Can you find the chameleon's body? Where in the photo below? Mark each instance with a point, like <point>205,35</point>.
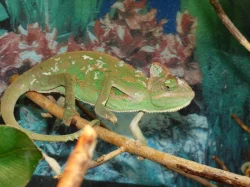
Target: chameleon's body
<point>101,80</point>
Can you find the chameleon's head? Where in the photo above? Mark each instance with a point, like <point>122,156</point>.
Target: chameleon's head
<point>167,92</point>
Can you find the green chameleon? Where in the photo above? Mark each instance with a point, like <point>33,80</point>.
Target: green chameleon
<point>100,80</point>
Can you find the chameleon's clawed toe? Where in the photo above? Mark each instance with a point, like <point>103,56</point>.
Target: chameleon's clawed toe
<point>68,115</point>
<point>139,143</point>
<point>110,116</point>
<point>106,114</point>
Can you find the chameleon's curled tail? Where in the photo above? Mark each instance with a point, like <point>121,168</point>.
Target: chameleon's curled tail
<point>8,101</point>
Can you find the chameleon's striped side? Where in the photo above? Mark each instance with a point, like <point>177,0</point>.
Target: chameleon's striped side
<point>92,67</point>
<point>80,65</point>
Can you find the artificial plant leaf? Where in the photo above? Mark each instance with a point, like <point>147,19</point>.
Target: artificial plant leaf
<point>2,32</point>
<point>3,13</point>
<point>19,157</point>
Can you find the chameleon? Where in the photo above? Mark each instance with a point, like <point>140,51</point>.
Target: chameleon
<point>99,79</point>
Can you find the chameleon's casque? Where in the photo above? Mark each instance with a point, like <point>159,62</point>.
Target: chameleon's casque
<point>101,80</point>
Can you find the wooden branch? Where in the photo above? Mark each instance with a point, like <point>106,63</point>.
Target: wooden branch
<point>200,180</point>
<point>228,23</point>
<point>240,123</point>
<point>45,103</point>
<point>77,163</point>
<point>220,163</point>
<point>105,158</point>
<point>171,162</point>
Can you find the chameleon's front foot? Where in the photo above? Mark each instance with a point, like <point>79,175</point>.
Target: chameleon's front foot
<point>68,114</point>
<point>106,114</point>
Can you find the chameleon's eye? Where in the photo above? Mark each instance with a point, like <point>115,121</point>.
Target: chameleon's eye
<point>170,83</point>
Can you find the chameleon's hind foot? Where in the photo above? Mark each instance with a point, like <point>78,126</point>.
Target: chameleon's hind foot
<point>141,141</point>
<point>68,114</point>
<point>106,114</point>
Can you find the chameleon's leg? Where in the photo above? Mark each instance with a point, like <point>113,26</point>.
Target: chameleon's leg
<point>110,82</point>
<point>135,129</point>
<point>100,109</point>
<point>50,82</point>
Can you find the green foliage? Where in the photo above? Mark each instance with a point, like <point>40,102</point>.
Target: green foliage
<point>2,31</point>
<point>66,16</point>
<point>18,157</point>
<point>3,13</point>
<point>14,10</point>
<point>84,13</point>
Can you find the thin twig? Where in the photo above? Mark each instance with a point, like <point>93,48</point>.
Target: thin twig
<point>228,23</point>
<point>220,163</point>
<point>105,158</point>
<point>240,123</point>
<point>77,163</point>
<point>53,164</point>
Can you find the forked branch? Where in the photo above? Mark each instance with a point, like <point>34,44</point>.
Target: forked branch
<point>180,165</point>
<point>220,163</point>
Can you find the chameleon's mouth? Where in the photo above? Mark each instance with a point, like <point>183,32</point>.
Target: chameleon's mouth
<point>172,101</point>
<point>189,94</point>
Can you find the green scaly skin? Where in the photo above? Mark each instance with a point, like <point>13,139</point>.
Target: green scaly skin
<point>100,80</point>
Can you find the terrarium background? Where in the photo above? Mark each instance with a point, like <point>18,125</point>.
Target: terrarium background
<point>193,43</point>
